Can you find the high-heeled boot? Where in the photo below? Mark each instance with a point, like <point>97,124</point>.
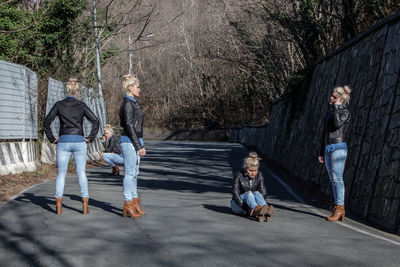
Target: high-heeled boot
<point>258,210</point>
<point>136,203</point>
<point>85,205</point>
<point>59,209</point>
<point>269,213</point>
<point>338,214</point>
<point>129,209</point>
<point>115,170</point>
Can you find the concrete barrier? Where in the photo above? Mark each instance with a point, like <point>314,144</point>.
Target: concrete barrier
<point>16,157</point>
<point>48,153</point>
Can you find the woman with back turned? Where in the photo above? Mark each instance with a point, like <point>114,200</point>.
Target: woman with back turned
<point>333,150</point>
<point>71,112</point>
<point>131,141</point>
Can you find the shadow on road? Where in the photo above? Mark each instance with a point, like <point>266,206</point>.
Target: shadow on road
<point>220,209</point>
<point>300,211</point>
<point>41,201</point>
<point>106,206</point>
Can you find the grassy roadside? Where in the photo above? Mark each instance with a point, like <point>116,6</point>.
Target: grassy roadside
<point>12,184</point>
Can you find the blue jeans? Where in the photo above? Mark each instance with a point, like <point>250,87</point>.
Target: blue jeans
<point>252,199</point>
<point>113,158</point>
<point>64,150</point>
<point>131,165</point>
<point>334,163</point>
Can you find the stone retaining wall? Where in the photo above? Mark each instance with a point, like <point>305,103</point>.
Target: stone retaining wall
<point>371,66</point>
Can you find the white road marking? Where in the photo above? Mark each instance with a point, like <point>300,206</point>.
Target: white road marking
<point>298,198</point>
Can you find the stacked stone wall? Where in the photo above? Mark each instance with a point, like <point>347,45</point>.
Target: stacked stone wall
<point>370,64</point>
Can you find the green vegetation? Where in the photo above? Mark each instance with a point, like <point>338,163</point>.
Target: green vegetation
<point>42,39</point>
<point>199,70</point>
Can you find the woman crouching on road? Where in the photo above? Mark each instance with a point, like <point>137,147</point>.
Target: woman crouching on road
<point>71,112</point>
<point>131,141</point>
<point>333,149</point>
<point>112,153</point>
<point>249,192</point>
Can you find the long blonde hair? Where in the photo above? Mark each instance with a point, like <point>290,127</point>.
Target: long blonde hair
<point>72,86</point>
<point>344,93</point>
<point>128,80</point>
<point>251,161</point>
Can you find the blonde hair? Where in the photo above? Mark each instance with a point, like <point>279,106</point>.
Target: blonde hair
<point>251,161</point>
<point>128,80</point>
<point>344,93</point>
<point>72,86</point>
<point>109,128</point>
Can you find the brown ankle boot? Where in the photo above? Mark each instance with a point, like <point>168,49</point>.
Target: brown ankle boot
<point>271,210</point>
<point>338,214</point>
<point>136,203</point>
<point>115,170</point>
<point>269,213</point>
<point>130,209</point>
<point>256,211</point>
<point>59,209</point>
<point>85,205</point>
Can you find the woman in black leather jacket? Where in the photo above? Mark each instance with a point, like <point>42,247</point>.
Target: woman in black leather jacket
<point>333,150</point>
<point>71,112</point>
<point>132,145</point>
<point>112,153</point>
<point>249,193</point>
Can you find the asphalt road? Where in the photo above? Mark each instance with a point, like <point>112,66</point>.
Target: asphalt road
<point>185,188</point>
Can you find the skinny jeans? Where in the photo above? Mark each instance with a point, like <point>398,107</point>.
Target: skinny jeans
<point>131,166</point>
<point>64,150</point>
<point>252,199</point>
<point>334,162</point>
<point>113,159</point>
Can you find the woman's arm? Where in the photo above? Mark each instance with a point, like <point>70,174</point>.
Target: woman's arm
<point>340,116</point>
<point>236,189</point>
<point>47,122</point>
<point>107,146</point>
<point>261,185</point>
<point>94,121</point>
<point>128,111</point>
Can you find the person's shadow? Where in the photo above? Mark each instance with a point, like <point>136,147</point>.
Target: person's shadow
<point>106,206</point>
<point>49,203</point>
<point>220,209</point>
<point>41,201</point>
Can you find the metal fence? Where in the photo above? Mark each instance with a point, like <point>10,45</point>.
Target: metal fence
<point>88,95</point>
<point>18,102</point>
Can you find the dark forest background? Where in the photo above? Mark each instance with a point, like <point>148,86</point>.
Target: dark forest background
<point>203,64</point>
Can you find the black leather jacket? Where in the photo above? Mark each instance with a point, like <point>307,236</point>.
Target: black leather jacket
<point>335,126</point>
<point>111,145</point>
<point>71,111</point>
<point>242,184</point>
<point>131,117</point>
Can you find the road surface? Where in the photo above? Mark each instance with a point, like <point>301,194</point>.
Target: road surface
<point>185,188</point>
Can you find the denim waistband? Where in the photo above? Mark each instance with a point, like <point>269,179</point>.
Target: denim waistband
<point>71,138</point>
<point>334,147</point>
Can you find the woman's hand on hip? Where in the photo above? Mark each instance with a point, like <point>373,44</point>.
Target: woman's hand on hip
<point>56,141</point>
<point>86,140</point>
<point>321,159</point>
<point>142,152</point>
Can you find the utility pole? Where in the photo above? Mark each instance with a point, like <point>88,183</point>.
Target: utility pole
<point>96,36</point>
<point>97,50</point>
<point>130,54</point>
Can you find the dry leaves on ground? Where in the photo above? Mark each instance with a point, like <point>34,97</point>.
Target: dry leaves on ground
<point>12,184</point>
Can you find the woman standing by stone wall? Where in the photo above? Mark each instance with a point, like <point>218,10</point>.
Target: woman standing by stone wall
<point>333,151</point>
